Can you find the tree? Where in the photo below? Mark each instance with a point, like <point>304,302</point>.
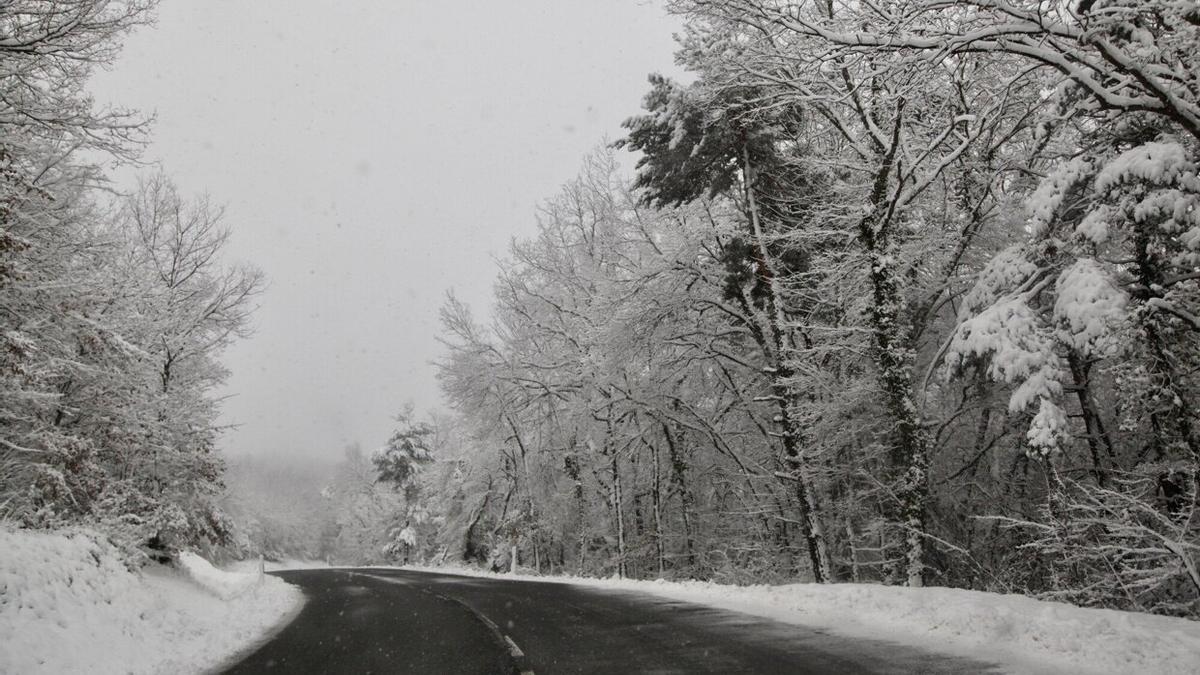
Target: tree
<point>693,147</point>
<point>397,464</point>
<point>114,310</point>
<point>908,289</point>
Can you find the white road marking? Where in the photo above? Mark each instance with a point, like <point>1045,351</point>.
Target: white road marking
<point>513,649</point>
<point>516,653</point>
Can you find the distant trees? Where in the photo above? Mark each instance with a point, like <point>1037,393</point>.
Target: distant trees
<point>362,511</point>
<point>281,507</point>
<point>901,292</point>
<point>383,506</point>
<point>297,507</point>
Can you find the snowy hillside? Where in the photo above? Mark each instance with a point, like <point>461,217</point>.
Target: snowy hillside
<point>68,604</point>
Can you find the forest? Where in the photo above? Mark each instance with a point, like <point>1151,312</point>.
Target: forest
<point>895,292</point>
<point>901,292</point>
<point>114,304</point>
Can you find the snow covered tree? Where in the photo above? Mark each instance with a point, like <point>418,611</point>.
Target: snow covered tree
<point>398,464</point>
<point>613,403</point>
<point>901,292</point>
<point>894,153</point>
<point>115,310</point>
<point>48,255</point>
<point>1101,298</point>
<point>698,144</point>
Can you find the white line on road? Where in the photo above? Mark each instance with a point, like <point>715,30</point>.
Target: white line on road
<point>513,649</point>
<point>516,653</point>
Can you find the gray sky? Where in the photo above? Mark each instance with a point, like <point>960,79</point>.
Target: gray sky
<point>372,155</point>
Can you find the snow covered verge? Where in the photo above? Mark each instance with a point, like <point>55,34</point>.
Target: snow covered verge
<point>69,605</point>
<point>1021,634</point>
<point>246,566</point>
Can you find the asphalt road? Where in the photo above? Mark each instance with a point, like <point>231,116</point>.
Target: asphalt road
<point>393,621</point>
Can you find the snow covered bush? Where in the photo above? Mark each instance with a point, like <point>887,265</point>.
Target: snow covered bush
<point>1127,546</point>
<point>1015,347</point>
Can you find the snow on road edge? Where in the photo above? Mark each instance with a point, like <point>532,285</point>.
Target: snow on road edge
<point>290,564</point>
<point>68,604</point>
<point>1021,634</point>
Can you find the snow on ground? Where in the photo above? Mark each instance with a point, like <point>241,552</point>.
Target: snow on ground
<point>221,583</point>
<point>296,564</point>
<point>1021,634</point>
<point>68,605</point>
<point>247,566</point>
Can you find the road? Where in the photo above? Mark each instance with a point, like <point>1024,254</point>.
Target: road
<point>400,621</point>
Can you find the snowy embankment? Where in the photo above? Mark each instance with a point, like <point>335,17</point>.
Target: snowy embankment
<point>277,565</point>
<point>1021,634</point>
<point>69,605</point>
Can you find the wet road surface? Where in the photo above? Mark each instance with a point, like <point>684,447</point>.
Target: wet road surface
<point>400,621</point>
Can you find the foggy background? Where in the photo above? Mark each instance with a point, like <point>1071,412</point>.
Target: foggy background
<point>373,155</point>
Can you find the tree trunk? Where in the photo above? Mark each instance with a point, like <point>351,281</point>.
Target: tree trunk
<point>1168,374</point>
<point>531,518</point>
<point>810,511</point>
<point>894,357</point>
<point>571,465</point>
<point>618,514</point>
<point>1096,433</point>
<point>656,498</point>
<point>678,476</point>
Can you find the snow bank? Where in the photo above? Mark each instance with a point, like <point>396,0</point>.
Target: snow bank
<point>68,604</point>
<point>296,564</point>
<point>249,566</point>
<point>1021,634</point>
<point>223,584</point>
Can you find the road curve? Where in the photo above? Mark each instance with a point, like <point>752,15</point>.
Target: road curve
<point>400,621</point>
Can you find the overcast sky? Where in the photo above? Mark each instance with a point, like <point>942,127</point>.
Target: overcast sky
<point>372,155</point>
